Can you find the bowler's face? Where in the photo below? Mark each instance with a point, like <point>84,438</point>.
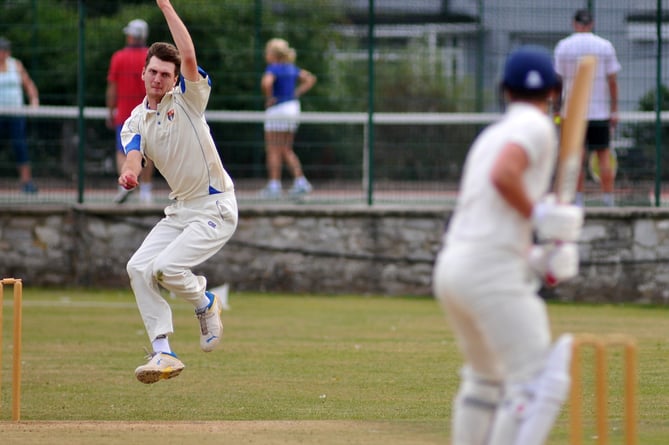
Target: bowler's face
<point>159,78</point>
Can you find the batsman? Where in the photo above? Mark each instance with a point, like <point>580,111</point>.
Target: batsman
<point>508,233</point>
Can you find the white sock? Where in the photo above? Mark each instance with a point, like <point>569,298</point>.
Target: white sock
<point>608,199</point>
<point>578,199</point>
<point>161,344</point>
<point>274,184</point>
<point>202,303</point>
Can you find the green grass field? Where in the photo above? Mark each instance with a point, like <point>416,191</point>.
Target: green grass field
<point>291,370</point>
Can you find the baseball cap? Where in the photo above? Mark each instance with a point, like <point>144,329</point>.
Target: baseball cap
<point>137,28</point>
<point>529,68</point>
<point>5,44</point>
<point>583,16</point>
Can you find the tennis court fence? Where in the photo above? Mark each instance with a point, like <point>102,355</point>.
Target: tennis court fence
<point>350,158</point>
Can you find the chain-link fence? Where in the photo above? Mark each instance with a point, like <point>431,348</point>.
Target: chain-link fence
<point>389,120</point>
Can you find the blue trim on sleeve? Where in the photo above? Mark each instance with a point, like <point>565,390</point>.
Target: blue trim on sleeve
<point>204,74</point>
<point>213,191</point>
<point>134,144</point>
<point>201,71</point>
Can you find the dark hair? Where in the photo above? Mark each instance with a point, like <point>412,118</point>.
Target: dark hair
<point>165,52</point>
<point>527,95</point>
<point>583,16</point>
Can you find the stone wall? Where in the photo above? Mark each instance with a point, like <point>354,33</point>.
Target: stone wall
<point>304,249</point>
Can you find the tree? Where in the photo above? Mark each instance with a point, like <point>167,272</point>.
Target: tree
<point>645,138</point>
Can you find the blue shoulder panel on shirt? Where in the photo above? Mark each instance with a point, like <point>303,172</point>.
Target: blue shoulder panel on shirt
<point>202,72</point>
<point>213,191</point>
<point>134,144</point>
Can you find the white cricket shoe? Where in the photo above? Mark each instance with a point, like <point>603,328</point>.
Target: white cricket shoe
<point>161,366</point>
<point>211,326</point>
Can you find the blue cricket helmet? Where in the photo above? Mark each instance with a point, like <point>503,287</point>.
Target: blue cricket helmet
<point>530,68</point>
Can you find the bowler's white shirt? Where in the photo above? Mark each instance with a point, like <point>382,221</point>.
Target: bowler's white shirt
<point>177,138</point>
<point>482,216</point>
<point>569,50</point>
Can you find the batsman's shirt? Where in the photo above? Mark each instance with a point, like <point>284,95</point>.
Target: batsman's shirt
<point>482,217</point>
<point>177,138</point>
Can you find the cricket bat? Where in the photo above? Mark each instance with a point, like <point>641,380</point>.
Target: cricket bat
<point>572,136</point>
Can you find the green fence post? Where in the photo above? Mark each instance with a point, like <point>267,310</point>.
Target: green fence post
<point>258,61</point>
<point>370,106</point>
<point>658,106</point>
<point>480,60</point>
<point>81,98</point>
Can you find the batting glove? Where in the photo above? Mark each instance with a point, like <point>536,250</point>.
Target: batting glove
<point>557,222</point>
<point>555,262</point>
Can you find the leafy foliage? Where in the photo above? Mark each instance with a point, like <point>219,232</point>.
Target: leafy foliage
<point>648,100</point>
<point>644,135</point>
<point>406,81</point>
<point>230,37</point>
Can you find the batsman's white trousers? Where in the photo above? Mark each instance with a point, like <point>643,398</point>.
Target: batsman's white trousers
<point>190,233</point>
<point>490,298</point>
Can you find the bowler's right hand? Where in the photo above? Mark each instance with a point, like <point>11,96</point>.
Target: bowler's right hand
<point>128,180</point>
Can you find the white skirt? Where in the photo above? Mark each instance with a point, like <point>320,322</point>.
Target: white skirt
<point>283,117</point>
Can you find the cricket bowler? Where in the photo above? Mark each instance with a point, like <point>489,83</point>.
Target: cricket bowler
<point>169,128</point>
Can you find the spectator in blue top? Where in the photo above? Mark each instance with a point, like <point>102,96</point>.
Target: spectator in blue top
<point>282,84</point>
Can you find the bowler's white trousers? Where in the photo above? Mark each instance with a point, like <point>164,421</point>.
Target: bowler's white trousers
<point>191,232</point>
<point>490,297</point>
